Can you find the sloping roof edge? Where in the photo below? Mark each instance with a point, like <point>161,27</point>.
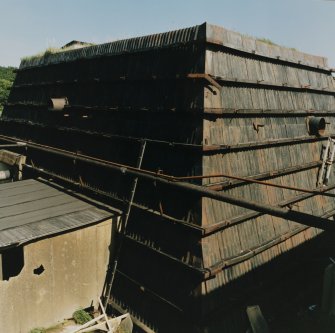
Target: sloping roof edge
<point>31,210</point>
<point>199,33</point>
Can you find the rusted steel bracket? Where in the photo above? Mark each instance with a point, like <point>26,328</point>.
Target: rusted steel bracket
<point>206,77</point>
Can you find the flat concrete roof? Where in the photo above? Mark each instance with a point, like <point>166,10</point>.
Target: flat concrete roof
<point>31,209</point>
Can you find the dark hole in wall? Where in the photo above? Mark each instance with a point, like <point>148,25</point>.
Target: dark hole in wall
<point>39,270</point>
<point>12,262</point>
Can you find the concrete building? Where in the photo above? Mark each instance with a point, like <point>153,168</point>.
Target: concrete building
<point>54,252</point>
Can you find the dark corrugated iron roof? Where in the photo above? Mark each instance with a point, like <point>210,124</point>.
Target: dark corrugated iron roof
<point>30,210</point>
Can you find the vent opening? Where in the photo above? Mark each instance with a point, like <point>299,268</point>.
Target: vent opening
<point>316,126</point>
<point>57,104</point>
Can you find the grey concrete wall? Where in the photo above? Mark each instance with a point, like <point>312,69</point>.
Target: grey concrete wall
<point>75,265</point>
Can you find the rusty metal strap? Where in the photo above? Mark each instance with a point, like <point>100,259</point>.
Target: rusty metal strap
<point>206,77</point>
<point>219,186</point>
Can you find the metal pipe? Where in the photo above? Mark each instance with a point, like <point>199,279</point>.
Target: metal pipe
<point>285,213</point>
<point>200,231</point>
<point>213,228</point>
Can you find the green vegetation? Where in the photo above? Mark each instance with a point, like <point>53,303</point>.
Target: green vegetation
<point>53,50</point>
<point>270,42</point>
<point>38,330</point>
<point>267,41</point>
<point>48,51</point>
<point>81,317</point>
<point>7,77</point>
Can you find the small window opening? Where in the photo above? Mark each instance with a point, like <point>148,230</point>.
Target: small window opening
<point>12,262</point>
<point>39,270</point>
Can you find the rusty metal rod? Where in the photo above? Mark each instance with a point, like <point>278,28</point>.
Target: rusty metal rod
<point>319,191</point>
<point>218,226</point>
<point>219,186</point>
<point>172,178</point>
<point>230,112</point>
<point>216,268</point>
<point>285,213</point>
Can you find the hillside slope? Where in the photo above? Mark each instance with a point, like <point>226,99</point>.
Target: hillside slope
<point>7,77</point>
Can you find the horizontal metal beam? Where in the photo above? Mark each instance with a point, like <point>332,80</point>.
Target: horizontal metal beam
<point>210,272</point>
<point>214,80</point>
<point>210,149</point>
<point>214,112</point>
<point>248,180</point>
<point>229,112</point>
<point>219,186</point>
<point>272,85</point>
<point>196,270</point>
<point>216,227</point>
<point>247,254</point>
<point>116,137</point>
<point>262,144</point>
<point>218,45</point>
<point>197,230</point>
<point>285,213</point>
